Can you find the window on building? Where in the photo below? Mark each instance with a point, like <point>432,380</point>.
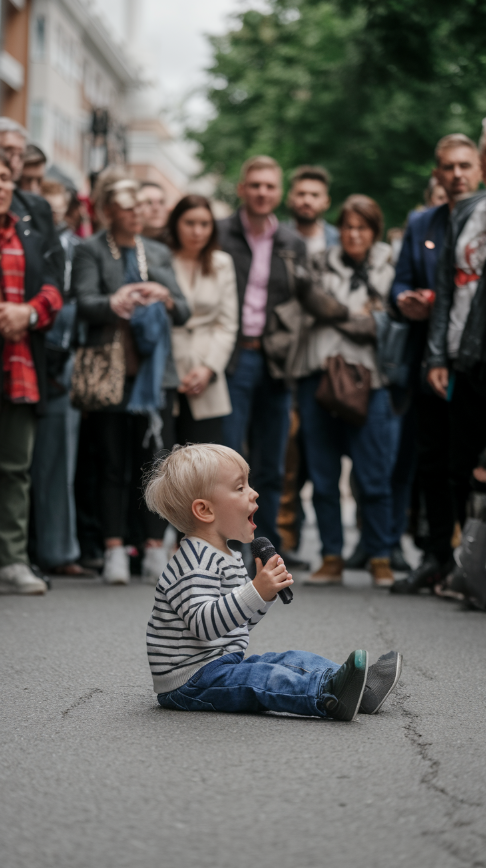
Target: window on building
<point>39,38</point>
<point>36,121</point>
<point>65,54</point>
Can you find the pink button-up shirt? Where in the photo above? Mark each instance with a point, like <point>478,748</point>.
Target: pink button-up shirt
<point>254,312</point>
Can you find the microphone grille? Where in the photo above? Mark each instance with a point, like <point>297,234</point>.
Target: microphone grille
<point>259,545</point>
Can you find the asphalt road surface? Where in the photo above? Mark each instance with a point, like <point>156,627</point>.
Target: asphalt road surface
<point>95,775</point>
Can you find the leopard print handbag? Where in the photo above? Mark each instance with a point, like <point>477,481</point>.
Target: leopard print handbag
<point>98,376</point>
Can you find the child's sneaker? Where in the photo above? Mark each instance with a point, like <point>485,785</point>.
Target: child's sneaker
<point>346,686</point>
<point>382,678</point>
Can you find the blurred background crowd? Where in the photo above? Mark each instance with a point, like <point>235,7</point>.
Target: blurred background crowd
<point>135,315</point>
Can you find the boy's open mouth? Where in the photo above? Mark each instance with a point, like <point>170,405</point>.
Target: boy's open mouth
<point>250,518</point>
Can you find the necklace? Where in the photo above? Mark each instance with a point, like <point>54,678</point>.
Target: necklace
<point>141,258</point>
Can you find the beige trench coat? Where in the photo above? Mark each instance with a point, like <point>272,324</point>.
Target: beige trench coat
<point>209,336</point>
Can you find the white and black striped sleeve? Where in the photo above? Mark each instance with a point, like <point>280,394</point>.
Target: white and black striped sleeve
<point>196,598</point>
<point>259,614</point>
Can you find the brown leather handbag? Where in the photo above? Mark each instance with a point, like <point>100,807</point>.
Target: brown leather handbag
<point>344,390</point>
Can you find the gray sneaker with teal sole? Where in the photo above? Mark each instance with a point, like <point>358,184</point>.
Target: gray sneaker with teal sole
<point>382,678</point>
<point>346,688</point>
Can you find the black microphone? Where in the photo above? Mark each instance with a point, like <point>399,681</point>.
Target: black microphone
<point>262,548</point>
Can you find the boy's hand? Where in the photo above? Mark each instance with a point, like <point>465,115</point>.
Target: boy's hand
<point>271,578</point>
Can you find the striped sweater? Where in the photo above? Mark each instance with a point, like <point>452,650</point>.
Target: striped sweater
<point>205,606</point>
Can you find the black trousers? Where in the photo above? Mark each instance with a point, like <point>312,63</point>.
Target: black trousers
<point>122,461</point>
<point>190,430</point>
<point>433,472</point>
<point>467,438</point>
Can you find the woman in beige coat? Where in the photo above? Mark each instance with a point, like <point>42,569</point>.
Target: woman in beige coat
<point>203,345</point>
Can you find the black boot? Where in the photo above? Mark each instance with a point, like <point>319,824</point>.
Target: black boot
<point>358,559</point>
<point>397,560</point>
<point>424,576</point>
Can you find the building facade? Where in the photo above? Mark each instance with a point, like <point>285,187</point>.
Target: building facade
<point>82,95</point>
<point>14,58</point>
<point>79,84</point>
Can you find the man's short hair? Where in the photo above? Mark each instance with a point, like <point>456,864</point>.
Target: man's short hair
<point>311,173</point>
<point>454,140</point>
<point>185,475</point>
<point>34,156</point>
<point>8,125</point>
<point>259,162</point>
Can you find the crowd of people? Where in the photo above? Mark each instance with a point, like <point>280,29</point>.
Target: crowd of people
<point>125,329</point>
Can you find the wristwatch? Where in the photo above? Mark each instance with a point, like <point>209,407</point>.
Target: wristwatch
<point>33,319</point>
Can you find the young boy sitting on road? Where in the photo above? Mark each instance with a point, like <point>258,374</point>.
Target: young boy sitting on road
<point>205,606</point>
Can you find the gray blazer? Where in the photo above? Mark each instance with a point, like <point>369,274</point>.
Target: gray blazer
<point>96,275</point>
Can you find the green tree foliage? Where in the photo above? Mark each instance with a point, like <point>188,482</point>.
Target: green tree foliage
<point>365,88</point>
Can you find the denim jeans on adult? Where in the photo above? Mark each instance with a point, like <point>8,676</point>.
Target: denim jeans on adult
<point>372,449</point>
<point>291,681</point>
<point>260,418</point>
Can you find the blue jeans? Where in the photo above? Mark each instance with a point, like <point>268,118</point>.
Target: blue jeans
<point>293,682</point>
<point>260,419</point>
<point>372,449</point>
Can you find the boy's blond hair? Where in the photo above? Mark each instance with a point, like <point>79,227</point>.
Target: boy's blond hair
<point>185,475</point>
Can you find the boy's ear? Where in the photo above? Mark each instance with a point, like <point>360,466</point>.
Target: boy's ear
<point>203,511</point>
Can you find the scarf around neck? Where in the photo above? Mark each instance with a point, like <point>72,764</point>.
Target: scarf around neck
<point>360,273</point>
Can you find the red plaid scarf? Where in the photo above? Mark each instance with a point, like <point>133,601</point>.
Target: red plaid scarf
<point>19,376</point>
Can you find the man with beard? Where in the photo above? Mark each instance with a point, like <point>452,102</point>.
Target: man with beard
<point>458,171</point>
<point>308,200</point>
<point>456,341</point>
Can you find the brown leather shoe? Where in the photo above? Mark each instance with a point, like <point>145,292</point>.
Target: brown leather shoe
<point>329,573</point>
<point>382,573</point>
<point>74,571</point>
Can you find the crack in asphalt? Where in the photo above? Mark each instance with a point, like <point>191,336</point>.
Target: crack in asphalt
<point>429,777</point>
<point>82,699</point>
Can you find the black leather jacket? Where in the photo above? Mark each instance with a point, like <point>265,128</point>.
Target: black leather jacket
<point>473,341</point>
<point>35,212</point>
<point>287,247</point>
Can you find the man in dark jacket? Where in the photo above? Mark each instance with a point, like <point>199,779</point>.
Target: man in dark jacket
<point>29,301</point>
<point>457,341</point>
<point>458,171</point>
<point>33,210</point>
<point>269,260</point>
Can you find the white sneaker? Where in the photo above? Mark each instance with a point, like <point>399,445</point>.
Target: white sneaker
<point>19,579</point>
<point>154,563</point>
<point>116,569</point>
